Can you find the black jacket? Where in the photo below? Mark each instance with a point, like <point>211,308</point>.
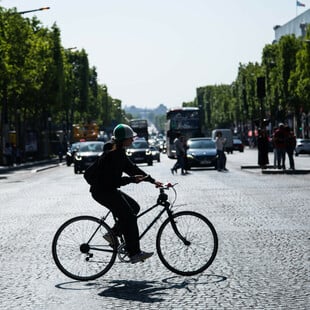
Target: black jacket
<point>112,166</point>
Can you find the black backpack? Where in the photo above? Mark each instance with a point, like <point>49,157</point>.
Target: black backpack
<point>92,173</point>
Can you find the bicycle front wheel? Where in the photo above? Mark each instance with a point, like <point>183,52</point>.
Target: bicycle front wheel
<point>80,251</point>
<point>188,244</point>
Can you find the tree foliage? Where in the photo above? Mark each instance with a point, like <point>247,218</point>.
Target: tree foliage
<point>42,83</point>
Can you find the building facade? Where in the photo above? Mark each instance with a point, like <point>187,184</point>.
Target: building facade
<point>296,26</point>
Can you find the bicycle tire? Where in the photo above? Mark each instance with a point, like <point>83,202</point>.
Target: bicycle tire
<point>198,255</point>
<point>79,252</point>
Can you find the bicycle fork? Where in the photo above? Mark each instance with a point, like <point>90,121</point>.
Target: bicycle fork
<point>175,228</point>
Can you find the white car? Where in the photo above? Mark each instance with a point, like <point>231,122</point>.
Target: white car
<point>302,146</point>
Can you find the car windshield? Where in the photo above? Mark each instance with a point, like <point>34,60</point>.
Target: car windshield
<point>202,144</point>
<point>75,146</point>
<point>94,147</point>
<point>139,145</point>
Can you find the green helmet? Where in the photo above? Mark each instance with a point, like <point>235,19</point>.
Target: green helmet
<point>122,132</point>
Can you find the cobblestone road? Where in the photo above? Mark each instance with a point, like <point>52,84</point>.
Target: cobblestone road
<point>262,223</point>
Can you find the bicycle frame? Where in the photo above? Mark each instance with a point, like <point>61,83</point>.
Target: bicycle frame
<point>161,201</point>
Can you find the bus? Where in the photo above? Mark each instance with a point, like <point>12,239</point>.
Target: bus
<point>186,121</point>
<point>140,126</point>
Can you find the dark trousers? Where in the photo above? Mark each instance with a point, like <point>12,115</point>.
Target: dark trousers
<point>221,160</point>
<point>290,154</point>
<point>281,158</point>
<point>179,163</point>
<point>125,209</point>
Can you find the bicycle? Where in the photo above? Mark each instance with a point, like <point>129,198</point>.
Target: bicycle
<point>186,242</point>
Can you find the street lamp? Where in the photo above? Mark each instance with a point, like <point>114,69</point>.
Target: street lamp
<point>35,10</point>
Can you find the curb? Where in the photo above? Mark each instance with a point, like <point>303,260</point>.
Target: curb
<point>286,171</point>
<point>53,163</point>
<point>272,170</point>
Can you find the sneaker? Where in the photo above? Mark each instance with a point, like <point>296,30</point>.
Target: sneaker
<point>140,257</point>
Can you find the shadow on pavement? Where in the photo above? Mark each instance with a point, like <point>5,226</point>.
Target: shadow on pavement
<point>142,291</point>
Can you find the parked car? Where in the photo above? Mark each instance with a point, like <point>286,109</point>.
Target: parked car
<point>70,153</point>
<point>87,154</point>
<point>201,152</point>
<point>302,146</point>
<point>238,145</point>
<point>155,153</point>
<point>139,152</point>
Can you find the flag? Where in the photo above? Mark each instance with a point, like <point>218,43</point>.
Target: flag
<point>298,3</point>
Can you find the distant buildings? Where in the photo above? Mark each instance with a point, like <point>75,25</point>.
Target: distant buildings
<point>297,26</point>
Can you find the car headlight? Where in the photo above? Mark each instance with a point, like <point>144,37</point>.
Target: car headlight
<point>128,153</point>
<point>191,156</point>
<point>78,157</point>
<point>148,152</point>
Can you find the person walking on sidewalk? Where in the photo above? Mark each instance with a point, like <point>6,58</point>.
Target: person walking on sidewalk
<point>280,137</point>
<point>290,146</point>
<point>262,146</point>
<point>221,157</point>
<point>180,153</point>
<point>8,154</point>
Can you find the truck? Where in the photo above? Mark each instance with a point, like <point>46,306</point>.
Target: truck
<point>85,132</point>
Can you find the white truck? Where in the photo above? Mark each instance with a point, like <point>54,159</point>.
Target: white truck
<point>227,134</point>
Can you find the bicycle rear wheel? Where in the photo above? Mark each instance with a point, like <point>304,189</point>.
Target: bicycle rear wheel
<point>80,251</point>
<point>191,247</point>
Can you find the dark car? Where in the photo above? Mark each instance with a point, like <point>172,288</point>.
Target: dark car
<point>155,153</point>
<point>70,153</point>
<point>87,154</point>
<point>238,145</point>
<point>302,146</point>
<point>201,152</point>
<point>139,152</point>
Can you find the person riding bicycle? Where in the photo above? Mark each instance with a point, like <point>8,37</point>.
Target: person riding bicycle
<point>106,190</point>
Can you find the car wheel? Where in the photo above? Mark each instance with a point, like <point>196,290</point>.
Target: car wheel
<point>150,163</point>
<point>158,159</point>
<point>76,171</point>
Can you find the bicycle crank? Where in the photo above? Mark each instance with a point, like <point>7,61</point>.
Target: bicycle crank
<point>122,253</point>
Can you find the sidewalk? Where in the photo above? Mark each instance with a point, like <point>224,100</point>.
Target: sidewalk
<point>302,164</point>
<point>41,164</point>
<point>271,170</point>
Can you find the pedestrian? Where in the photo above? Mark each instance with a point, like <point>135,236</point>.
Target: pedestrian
<point>275,157</point>
<point>185,146</point>
<point>262,146</point>
<point>60,152</point>
<point>8,154</point>
<point>18,156</point>
<point>290,146</point>
<point>106,191</point>
<point>180,153</point>
<point>280,137</point>
<point>220,149</point>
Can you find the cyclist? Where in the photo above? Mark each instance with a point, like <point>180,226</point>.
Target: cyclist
<point>107,193</point>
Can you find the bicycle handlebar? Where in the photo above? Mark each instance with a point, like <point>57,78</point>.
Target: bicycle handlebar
<point>168,185</point>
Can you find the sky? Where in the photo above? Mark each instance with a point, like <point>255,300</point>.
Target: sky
<point>151,52</point>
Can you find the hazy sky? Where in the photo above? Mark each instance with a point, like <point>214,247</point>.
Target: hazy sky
<point>150,52</point>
